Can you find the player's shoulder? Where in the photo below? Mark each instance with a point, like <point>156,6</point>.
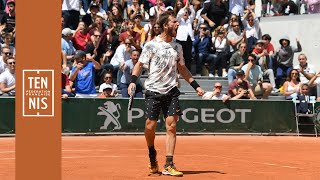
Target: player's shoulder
<point>176,45</point>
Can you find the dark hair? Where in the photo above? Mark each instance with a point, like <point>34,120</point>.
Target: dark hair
<point>253,56</point>
<point>164,18</point>
<point>266,37</point>
<point>289,76</point>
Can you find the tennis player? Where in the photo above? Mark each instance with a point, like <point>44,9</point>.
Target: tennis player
<point>165,59</point>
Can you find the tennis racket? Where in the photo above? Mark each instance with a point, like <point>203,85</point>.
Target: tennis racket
<point>131,99</point>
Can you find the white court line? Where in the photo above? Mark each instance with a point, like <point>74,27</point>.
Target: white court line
<point>224,157</point>
<point>192,155</point>
<point>3,152</point>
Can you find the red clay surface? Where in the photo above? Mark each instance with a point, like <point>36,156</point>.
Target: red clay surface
<point>199,157</point>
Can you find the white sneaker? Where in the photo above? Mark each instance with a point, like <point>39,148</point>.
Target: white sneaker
<point>224,74</point>
<point>275,90</point>
<point>82,13</point>
<point>211,75</point>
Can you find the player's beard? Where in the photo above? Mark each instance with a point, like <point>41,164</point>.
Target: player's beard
<point>172,32</point>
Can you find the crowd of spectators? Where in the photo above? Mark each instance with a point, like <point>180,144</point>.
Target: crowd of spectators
<point>102,39</point>
<point>7,42</point>
<point>223,38</point>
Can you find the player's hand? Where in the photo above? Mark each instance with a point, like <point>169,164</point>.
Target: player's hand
<point>200,91</point>
<point>132,87</point>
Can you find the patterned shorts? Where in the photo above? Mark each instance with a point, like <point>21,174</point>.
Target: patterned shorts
<point>168,103</point>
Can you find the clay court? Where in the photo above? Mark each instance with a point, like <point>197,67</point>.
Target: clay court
<point>198,157</point>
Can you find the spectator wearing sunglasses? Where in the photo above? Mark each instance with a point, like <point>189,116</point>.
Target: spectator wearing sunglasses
<point>216,93</point>
<point>108,82</point>
<point>254,75</point>
<point>5,54</point>
<point>8,79</point>
<point>202,46</point>
<point>235,37</point>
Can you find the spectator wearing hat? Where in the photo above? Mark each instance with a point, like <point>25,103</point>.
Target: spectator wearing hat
<point>107,77</point>
<point>67,45</point>
<point>83,75</point>
<point>9,18</point>
<point>264,61</point>
<point>97,4</point>
<point>71,13</point>
<point>135,8</point>
<point>106,92</point>
<point>139,28</point>
<point>237,60</point>
<point>240,82</point>
<point>254,75</point>
<point>89,18</point>
<point>284,57</point>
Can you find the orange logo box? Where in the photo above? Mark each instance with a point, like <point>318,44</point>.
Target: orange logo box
<point>38,89</point>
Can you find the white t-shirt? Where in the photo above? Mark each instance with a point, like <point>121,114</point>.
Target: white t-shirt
<point>162,58</point>
<point>9,79</point>
<point>209,95</point>
<point>309,69</point>
<point>3,65</point>
<point>121,55</point>
<point>68,5</point>
<point>104,85</point>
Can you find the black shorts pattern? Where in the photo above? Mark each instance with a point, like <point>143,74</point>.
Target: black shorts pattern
<point>168,103</point>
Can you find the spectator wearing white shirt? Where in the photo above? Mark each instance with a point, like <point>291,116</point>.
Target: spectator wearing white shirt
<point>121,55</point>
<point>8,79</point>
<point>5,54</point>
<point>216,94</point>
<point>252,30</point>
<point>185,34</point>
<point>306,70</point>
<point>238,6</point>
<point>108,81</point>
